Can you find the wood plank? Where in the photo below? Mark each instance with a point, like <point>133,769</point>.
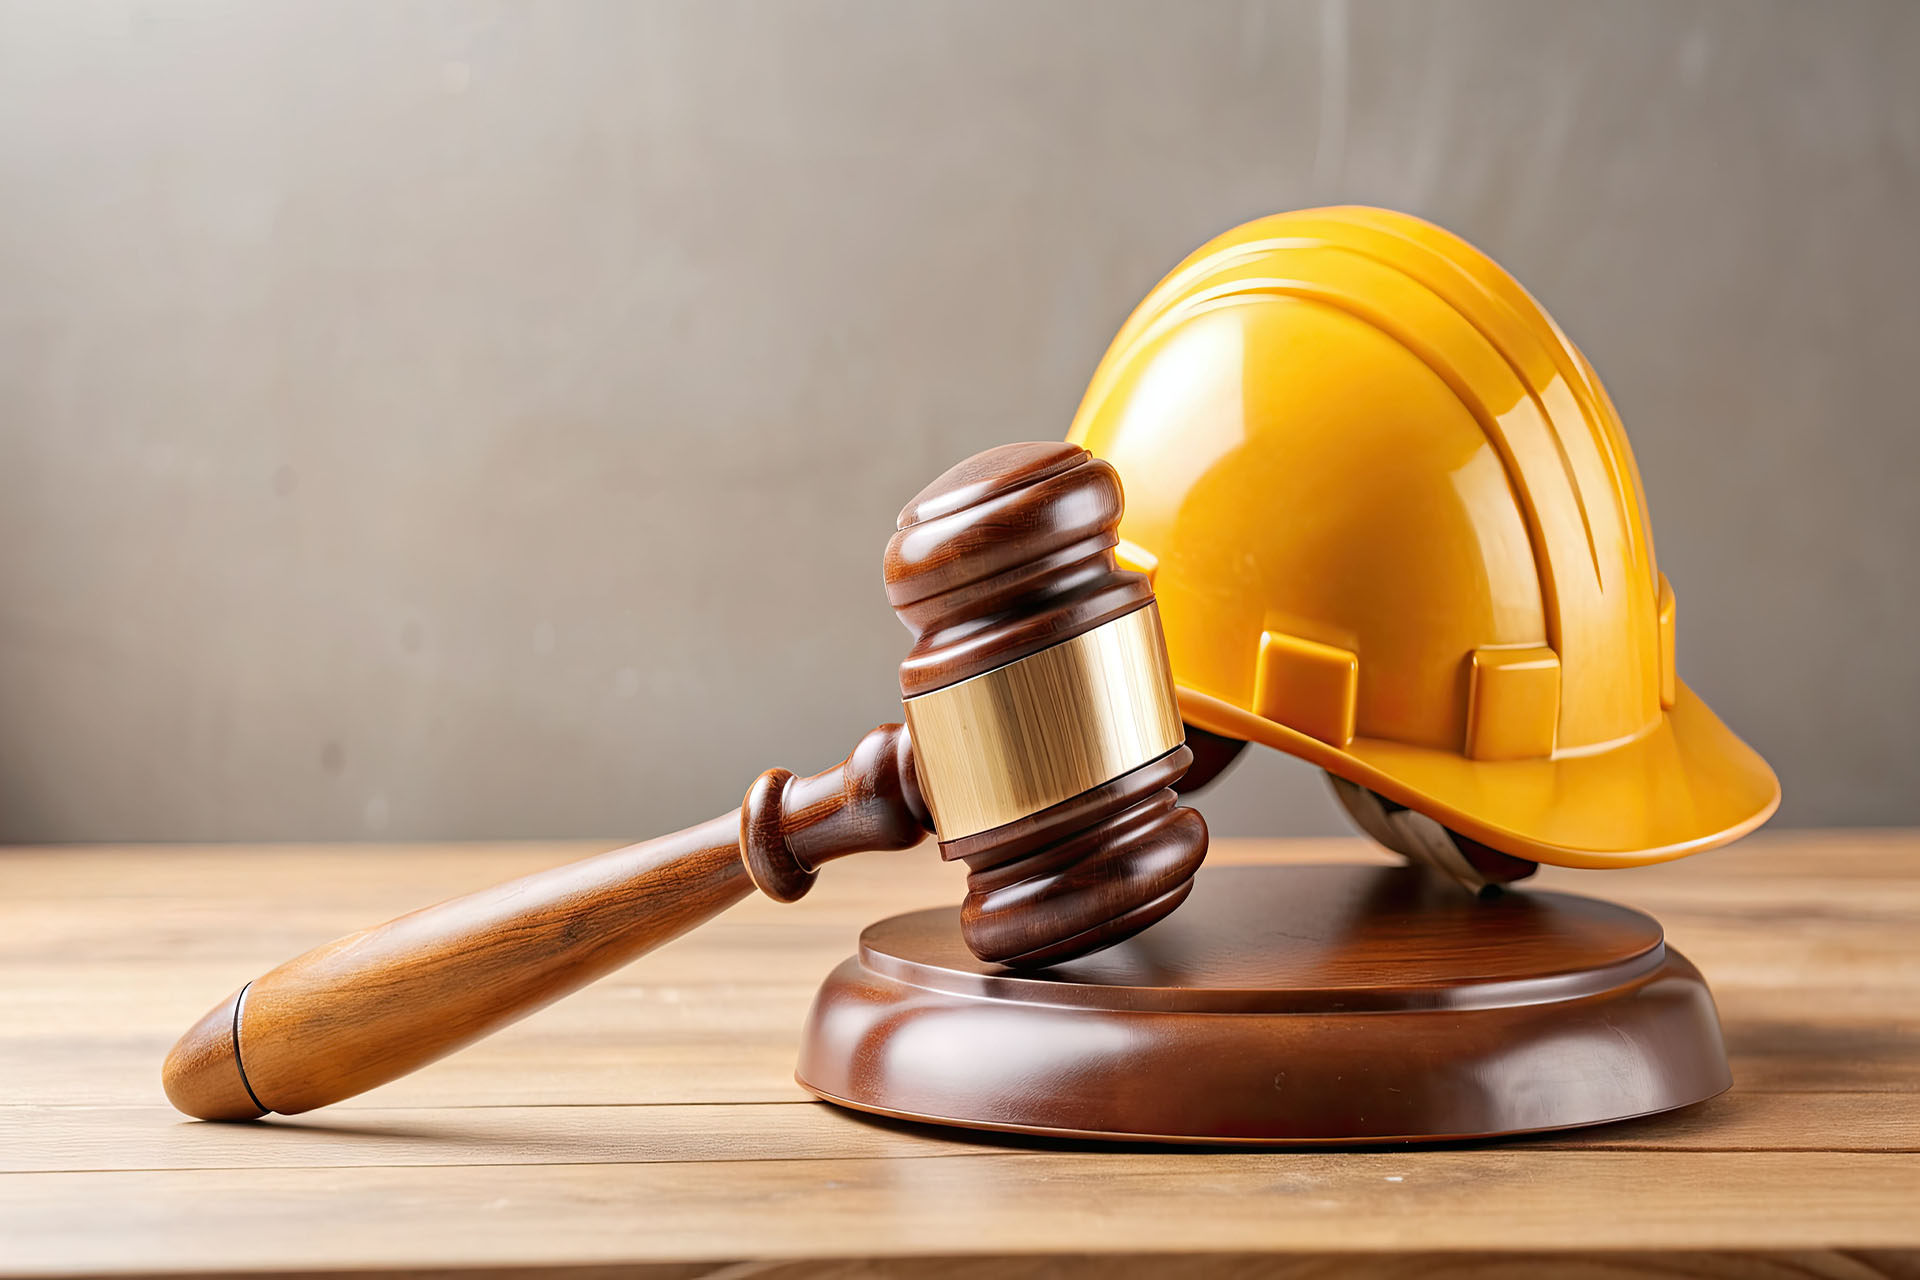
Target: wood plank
<point>80,1139</point>
<point>708,981</point>
<point>1028,1202</point>
<point>154,1137</point>
<point>494,1073</point>
<point>1804,1264</point>
<point>702,1021</point>
<point>215,913</point>
<point>106,954</point>
<point>734,1047</point>
<point>307,881</point>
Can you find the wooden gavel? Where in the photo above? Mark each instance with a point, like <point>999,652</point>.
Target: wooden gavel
<point>1041,744</point>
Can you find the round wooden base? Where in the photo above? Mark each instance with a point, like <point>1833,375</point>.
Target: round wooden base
<point>1304,1004</point>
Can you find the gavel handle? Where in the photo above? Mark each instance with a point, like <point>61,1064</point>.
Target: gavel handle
<point>374,1005</point>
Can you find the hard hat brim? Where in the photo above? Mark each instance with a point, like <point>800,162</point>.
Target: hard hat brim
<point>1687,785</point>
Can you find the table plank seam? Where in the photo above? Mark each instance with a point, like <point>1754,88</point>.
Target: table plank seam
<point>1196,1153</point>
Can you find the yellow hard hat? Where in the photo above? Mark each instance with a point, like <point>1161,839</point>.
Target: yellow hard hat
<point>1395,530</point>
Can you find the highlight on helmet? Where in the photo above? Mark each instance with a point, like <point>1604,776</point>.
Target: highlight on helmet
<point>1396,530</point>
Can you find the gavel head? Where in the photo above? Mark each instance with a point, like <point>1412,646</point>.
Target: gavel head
<point>1046,738</point>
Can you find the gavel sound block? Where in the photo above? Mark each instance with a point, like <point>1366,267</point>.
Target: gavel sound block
<point>1282,1004</point>
<point>1041,743</point>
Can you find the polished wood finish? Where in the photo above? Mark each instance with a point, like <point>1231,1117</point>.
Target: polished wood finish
<point>1006,553</point>
<point>1112,861</point>
<point>650,1125</point>
<point>1305,1004</point>
<point>202,1073</point>
<point>790,827</point>
<point>374,1005</point>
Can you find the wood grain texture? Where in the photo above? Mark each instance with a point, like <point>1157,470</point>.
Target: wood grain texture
<point>1007,553</point>
<point>1301,1004</point>
<point>650,1126</point>
<point>377,1004</point>
<point>150,1137</point>
<point>1013,1203</point>
<point>374,1005</point>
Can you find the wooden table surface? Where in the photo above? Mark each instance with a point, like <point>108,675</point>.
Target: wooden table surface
<point>651,1126</point>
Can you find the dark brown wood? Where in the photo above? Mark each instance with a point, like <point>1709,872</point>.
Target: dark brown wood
<point>1009,553</point>
<point>1006,554</point>
<point>374,1005</point>
<point>1084,874</point>
<point>869,802</point>
<point>1283,1004</point>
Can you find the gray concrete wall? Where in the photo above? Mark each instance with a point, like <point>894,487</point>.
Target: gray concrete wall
<point>463,420</point>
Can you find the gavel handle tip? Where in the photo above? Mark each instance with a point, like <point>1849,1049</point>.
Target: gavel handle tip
<point>202,1075</point>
